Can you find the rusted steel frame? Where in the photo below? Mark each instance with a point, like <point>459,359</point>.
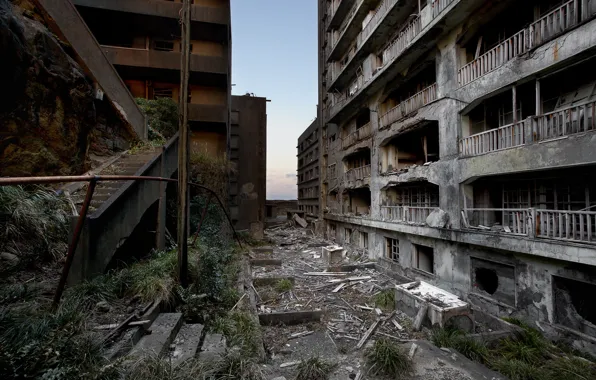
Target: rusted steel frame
<point>202,219</point>
<point>74,243</point>
<point>9,181</point>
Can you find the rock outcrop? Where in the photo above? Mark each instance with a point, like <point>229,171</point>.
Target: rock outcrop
<point>50,119</point>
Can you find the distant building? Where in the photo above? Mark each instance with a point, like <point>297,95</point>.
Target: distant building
<point>309,170</point>
<point>458,147</point>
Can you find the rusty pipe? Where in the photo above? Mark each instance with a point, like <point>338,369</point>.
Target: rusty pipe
<point>74,243</point>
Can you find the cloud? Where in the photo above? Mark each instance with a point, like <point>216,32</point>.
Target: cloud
<point>291,175</point>
<point>281,185</point>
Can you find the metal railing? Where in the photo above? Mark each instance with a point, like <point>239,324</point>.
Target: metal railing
<point>406,214</point>
<point>402,41</point>
<point>358,173</point>
<point>409,105</point>
<point>494,58</point>
<point>567,121</point>
<point>554,23</point>
<point>358,135</point>
<point>375,20</point>
<point>504,137</point>
<point>439,6</point>
<point>566,225</point>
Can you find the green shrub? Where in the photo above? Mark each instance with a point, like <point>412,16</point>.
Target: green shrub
<point>162,115</point>
<point>284,285</point>
<point>385,299</point>
<point>385,358</point>
<point>314,369</point>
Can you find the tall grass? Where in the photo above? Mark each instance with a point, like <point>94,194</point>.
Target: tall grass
<point>385,358</point>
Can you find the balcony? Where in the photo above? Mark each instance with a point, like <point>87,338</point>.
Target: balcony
<point>553,125</point>
<point>577,226</point>
<point>409,106</point>
<point>358,174</point>
<point>390,11</point>
<point>360,134</point>
<point>406,214</point>
<point>207,113</point>
<point>167,60</point>
<point>337,12</point>
<point>553,24</point>
<point>348,31</point>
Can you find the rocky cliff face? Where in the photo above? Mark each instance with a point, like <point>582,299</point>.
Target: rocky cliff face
<point>49,118</point>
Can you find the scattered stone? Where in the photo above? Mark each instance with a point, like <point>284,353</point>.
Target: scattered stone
<point>445,349</point>
<point>300,221</point>
<point>441,362</point>
<point>103,306</point>
<point>279,378</point>
<point>13,259</point>
<point>437,219</point>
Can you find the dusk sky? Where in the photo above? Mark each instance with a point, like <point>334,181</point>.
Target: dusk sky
<point>275,56</point>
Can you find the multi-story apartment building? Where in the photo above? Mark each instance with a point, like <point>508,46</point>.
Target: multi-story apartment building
<point>461,134</point>
<point>309,144</point>
<point>142,40</point>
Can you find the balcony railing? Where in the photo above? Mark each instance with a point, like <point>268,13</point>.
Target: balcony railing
<point>358,135</point>
<point>406,214</point>
<point>439,6</point>
<point>402,41</point>
<point>567,121</point>
<point>357,210</point>
<point>375,20</point>
<point>494,58</point>
<point>504,137</point>
<point>579,226</point>
<point>546,28</point>
<point>409,105</point>
<point>358,173</point>
<point>564,122</point>
<point>566,225</point>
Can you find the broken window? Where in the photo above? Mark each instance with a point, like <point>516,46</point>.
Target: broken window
<point>392,249</point>
<point>424,258</point>
<point>364,240</point>
<point>494,279</point>
<point>348,235</point>
<point>162,45</point>
<point>162,93</point>
<point>332,232</point>
<point>574,304</point>
<point>413,148</point>
<point>358,201</point>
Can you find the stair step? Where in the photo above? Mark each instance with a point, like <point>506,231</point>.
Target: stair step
<point>163,331</point>
<point>214,347</point>
<point>187,343</point>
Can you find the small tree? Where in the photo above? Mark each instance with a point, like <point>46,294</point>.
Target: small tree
<point>162,115</point>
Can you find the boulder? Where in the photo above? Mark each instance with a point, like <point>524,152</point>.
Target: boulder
<point>437,219</point>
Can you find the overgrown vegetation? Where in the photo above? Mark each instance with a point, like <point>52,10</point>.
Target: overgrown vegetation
<point>314,369</point>
<point>34,224</point>
<point>385,299</point>
<point>162,116</point>
<point>240,329</point>
<point>212,171</point>
<point>284,285</point>
<point>526,356</point>
<point>387,359</point>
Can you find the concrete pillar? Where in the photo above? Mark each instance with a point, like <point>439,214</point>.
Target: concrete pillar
<point>538,98</point>
<point>160,227</point>
<point>375,160</point>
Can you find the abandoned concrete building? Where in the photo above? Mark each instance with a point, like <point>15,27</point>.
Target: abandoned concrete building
<point>309,150</point>
<point>458,147</point>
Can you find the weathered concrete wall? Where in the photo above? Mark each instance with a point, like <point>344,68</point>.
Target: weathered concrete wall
<point>310,154</point>
<point>249,138</point>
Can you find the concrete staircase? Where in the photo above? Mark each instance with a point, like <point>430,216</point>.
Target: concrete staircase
<point>177,341</point>
<point>126,164</point>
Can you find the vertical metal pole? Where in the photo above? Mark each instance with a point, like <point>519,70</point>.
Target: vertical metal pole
<point>184,146</point>
<point>160,230</point>
<point>72,248</point>
<point>538,98</point>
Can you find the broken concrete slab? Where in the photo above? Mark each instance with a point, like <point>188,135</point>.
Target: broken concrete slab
<point>351,267</point>
<point>163,331</point>
<point>266,249</point>
<point>437,219</point>
<point>265,262</point>
<point>442,305</point>
<point>290,318</point>
<point>270,281</point>
<point>187,343</point>
<point>301,222</point>
<point>333,254</point>
<point>214,348</point>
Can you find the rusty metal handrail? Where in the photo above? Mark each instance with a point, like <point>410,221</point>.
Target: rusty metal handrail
<point>93,179</point>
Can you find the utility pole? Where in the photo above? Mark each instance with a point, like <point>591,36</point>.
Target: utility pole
<point>183,147</point>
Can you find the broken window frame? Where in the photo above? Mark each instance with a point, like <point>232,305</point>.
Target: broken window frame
<point>392,249</point>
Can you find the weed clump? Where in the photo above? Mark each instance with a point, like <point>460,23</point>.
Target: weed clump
<point>240,329</point>
<point>284,285</point>
<point>385,358</point>
<point>314,369</point>
<point>385,299</point>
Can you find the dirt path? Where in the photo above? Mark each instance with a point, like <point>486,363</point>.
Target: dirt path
<point>347,314</point>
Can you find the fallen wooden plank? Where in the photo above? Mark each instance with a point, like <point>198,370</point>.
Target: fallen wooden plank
<point>413,285</point>
<point>300,334</point>
<point>378,311</point>
<point>265,262</point>
<point>368,333</point>
<point>412,350</point>
<point>350,267</point>
<point>290,318</point>
<point>364,307</point>
<point>326,273</point>
<point>289,364</point>
<point>338,287</point>
<point>420,317</point>
<point>114,325</point>
<point>397,325</point>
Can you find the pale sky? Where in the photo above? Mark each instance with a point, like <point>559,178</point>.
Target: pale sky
<point>274,55</point>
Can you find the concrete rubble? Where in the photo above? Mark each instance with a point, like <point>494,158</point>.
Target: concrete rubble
<point>340,283</point>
